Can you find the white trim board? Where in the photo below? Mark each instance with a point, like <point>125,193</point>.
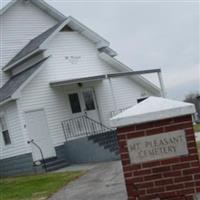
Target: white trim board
<point>152,109</point>
<point>122,67</point>
<point>39,3</point>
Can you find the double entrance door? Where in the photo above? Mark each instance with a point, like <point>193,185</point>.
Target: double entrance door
<point>83,103</point>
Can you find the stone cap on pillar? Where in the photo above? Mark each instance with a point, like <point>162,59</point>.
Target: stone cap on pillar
<point>152,109</point>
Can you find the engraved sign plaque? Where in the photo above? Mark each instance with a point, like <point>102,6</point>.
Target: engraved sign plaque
<point>157,147</point>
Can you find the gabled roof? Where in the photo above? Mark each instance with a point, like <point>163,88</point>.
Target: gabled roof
<point>152,109</point>
<point>41,4</point>
<point>32,46</point>
<point>14,83</point>
<point>40,43</point>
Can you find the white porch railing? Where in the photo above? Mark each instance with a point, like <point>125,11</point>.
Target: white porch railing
<point>83,126</point>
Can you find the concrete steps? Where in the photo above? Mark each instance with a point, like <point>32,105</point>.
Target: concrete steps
<point>55,163</point>
<point>108,140</point>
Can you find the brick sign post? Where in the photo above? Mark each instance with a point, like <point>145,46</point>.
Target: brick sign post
<point>158,150</point>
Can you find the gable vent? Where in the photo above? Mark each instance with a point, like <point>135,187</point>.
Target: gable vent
<point>66,29</point>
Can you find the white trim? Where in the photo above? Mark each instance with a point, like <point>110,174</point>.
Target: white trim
<point>49,9</point>
<point>152,109</point>
<point>47,124</point>
<point>7,6</point>
<point>146,83</point>
<point>6,101</point>
<point>160,78</point>
<point>23,130</point>
<point>114,62</point>
<point>82,29</point>
<point>147,118</point>
<point>42,5</point>
<point>20,60</point>
<point>113,95</point>
<point>140,79</point>
<point>45,43</point>
<point>17,93</point>
<point>34,109</point>
<point>100,41</point>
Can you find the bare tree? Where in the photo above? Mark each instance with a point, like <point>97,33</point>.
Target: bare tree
<point>195,99</point>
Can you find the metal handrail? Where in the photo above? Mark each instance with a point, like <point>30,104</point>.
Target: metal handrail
<point>83,126</point>
<point>42,156</point>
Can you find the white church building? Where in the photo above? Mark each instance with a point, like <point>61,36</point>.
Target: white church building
<point>59,87</point>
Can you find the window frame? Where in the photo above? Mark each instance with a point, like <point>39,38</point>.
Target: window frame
<point>79,102</point>
<point>3,116</point>
<point>85,100</point>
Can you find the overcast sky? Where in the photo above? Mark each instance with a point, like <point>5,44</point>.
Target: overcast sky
<point>147,34</point>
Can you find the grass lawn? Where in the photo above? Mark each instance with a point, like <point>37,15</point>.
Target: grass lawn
<point>37,187</point>
<point>198,146</point>
<point>197,128</point>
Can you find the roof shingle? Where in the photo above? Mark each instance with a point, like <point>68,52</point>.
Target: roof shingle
<point>33,44</point>
<point>16,81</point>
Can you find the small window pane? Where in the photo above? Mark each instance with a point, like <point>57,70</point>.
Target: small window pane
<point>75,103</point>
<point>6,137</point>
<point>4,130</point>
<point>89,100</point>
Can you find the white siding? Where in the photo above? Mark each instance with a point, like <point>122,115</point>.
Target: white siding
<point>21,23</point>
<point>38,94</point>
<point>72,44</point>
<point>125,92</point>
<point>18,145</point>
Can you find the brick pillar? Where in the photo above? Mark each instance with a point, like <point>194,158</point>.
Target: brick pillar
<point>163,172</point>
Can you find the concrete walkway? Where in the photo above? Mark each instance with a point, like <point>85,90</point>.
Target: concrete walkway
<point>103,181</point>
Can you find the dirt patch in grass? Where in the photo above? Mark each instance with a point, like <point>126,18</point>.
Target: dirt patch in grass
<point>38,187</point>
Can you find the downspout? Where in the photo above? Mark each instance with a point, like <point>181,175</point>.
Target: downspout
<point>112,93</point>
<point>162,87</point>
